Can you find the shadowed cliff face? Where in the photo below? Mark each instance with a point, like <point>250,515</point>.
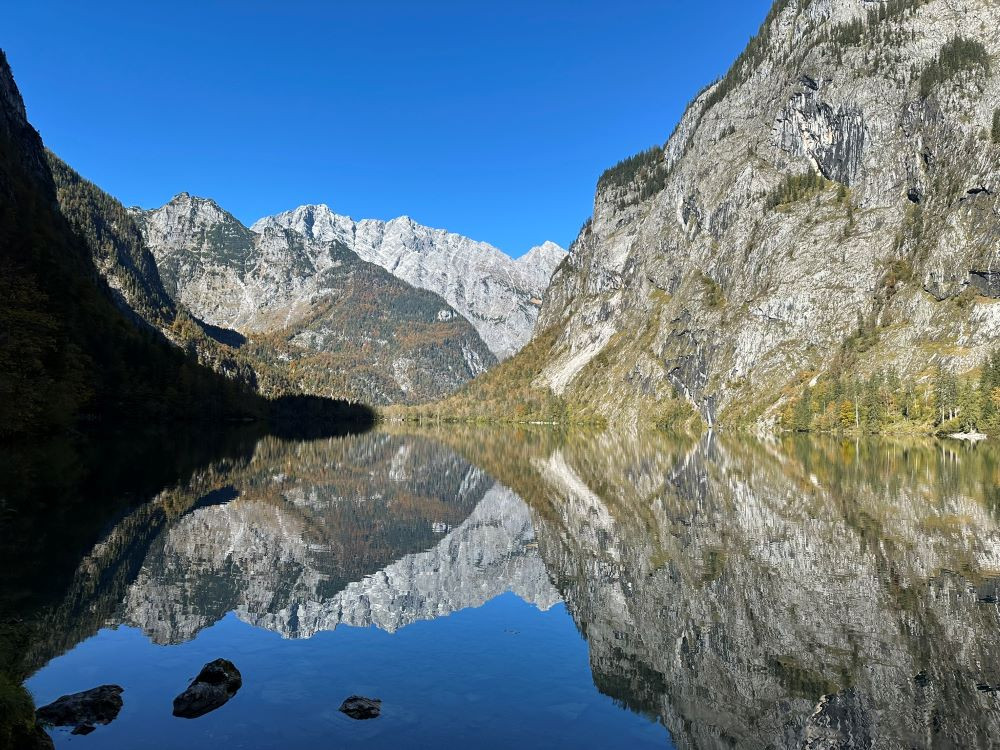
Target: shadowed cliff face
<point>813,594</point>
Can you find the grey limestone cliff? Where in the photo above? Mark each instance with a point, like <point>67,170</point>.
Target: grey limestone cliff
<point>706,274</point>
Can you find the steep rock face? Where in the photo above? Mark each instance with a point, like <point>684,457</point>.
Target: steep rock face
<point>699,276</point>
<point>342,326</point>
<point>498,295</point>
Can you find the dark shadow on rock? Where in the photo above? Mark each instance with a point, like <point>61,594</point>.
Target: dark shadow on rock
<point>215,684</point>
<point>83,710</point>
<point>361,708</point>
<point>221,496</point>
<point>226,336</point>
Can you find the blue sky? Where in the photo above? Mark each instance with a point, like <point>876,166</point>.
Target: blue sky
<point>492,119</point>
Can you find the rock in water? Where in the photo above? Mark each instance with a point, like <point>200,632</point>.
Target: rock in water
<point>361,708</point>
<point>84,710</point>
<point>215,684</point>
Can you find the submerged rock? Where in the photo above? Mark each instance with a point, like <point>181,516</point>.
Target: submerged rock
<point>215,684</point>
<point>358,707</point>
<point>84,710</point>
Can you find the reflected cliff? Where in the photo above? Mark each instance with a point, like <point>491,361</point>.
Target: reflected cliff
<point>798,594</point>
<point>377,530</point>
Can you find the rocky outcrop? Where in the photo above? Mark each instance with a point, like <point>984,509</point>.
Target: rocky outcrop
<point>701,276</point>
<point>216,683</point>
<point>498,295</point>
<point>361,708</point>
<point>84,710</point>
<point>335,324</point>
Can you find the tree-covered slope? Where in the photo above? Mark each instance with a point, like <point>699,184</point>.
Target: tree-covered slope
<point>66,351</point>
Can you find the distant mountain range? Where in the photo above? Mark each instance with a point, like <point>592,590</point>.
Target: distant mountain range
<point>500,296</point>
<point>329,322</point>
<point>378,312</point>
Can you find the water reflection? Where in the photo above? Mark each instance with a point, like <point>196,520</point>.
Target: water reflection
<point>376,530</point>
<point>799,593</point>
<point>807,593</point>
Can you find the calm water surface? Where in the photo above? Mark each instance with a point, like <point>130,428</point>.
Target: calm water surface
<point>506,589</point>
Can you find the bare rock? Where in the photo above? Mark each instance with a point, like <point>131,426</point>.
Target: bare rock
<point>83,710</point>
<point>361,708</point>
<point>215,684</point>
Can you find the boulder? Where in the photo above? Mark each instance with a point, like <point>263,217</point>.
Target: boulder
<point>358,707</point>
<point>84,710</point>
<point>215,684</point>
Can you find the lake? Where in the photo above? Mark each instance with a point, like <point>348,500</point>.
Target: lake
<point>525,588</point>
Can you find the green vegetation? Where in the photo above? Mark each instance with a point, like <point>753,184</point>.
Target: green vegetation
<point>750,58</point>
<point>883,402</point>
<point>115,241</point>
<point>799,187</point>
<point>957,55</point>
<point>996,126</point>
<point>873,28</point>
<point>647,168</point>
<point>17,710</point>
<point>712,293</point>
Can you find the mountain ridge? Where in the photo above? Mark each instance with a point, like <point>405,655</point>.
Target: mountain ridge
<point>489,288</point>
<point>336,324</point>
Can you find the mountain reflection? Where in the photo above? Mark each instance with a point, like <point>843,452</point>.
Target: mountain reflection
<point>369,530</point>
<point>800,593</point>
<point>805,594</point>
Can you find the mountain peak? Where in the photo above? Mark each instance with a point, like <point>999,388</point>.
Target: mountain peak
<point>546,252</point>
<point>497,294</point>
<point>186,198</point>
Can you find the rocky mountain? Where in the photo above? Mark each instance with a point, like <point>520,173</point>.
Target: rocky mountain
<point>334,323</point>
<point>831,203</point>
<point>500,296</point>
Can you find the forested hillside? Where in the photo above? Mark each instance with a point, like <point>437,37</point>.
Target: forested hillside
<point>67,354</point>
